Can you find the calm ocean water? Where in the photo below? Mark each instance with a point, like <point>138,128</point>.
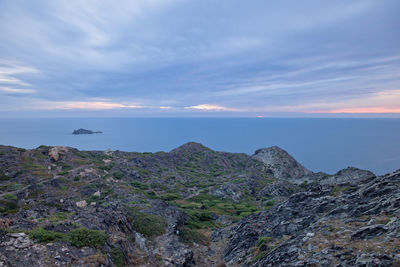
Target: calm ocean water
<point>319,144</point>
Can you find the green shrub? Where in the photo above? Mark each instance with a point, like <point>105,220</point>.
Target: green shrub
<point>147,224</point>
<point>42,235</point>
<point>76,178</point>
<point>30,165</point>
<point>4,177</point>
<point>170,197</point>
<point>336,190</point>
<point>82,237</point>
<point>16,187</point>
<point>106,167</point>
<point>269,204</point>
<point>8,206</point>
<point>118,175</point>
<point>140,185</point>
<point>10,196</point>
<point>66,167</point>
<point>189,236</point>
<point>263,242</point>
<point>117,257</point>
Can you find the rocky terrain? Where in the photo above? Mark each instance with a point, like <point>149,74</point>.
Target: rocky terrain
<point>191,206</point>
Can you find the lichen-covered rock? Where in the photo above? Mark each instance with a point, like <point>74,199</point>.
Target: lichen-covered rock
<point>56,152</point>
<point>281,163</point>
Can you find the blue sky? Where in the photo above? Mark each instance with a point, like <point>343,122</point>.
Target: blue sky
<point>200,58</point>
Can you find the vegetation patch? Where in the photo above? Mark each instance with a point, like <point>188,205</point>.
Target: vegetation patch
<point>262,248</point>
<point>4,177</point>
<point>117,257</point>
<point>338,190</point>
<point>118,175</point>
<point>16,187</point>
<point>60,216</point>
<point>140,185</point>
<point>170,197</point>
<point>10,196</point>
<point>42,235</point>
<point>147,224</point>
<point>201,208</point>
<point>82,237</point>
<point>8,206</point>
<point>189,236</point>
<point>30,165</point>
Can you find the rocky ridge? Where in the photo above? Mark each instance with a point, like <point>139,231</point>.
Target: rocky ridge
<point>191,207</point>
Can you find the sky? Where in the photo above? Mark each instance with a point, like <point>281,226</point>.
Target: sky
<point>200,58</point>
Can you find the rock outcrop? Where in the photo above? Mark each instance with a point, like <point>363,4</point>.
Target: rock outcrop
<point>281,163</point>
<point>84,131</point>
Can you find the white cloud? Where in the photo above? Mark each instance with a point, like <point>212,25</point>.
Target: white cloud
<point>16,90</point>
<point>210,107</point>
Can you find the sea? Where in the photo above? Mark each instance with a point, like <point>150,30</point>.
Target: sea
<point>319,144</point>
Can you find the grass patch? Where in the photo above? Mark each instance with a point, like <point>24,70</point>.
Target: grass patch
<point>106,167</point>
<point>140,185</point>
<point>82,237</point>
<point>4,177</point>
<point>16,187</point>
<point>60,216</point>
<point>338,190</point>
<point>42,235</point>
<point>117,257</point>
<point>189,236</point>
<point>263,246</point>
<point>170,197</point>
<point>30,165</point>
<point>8,206</point>
<point>201,207</point>
<point>147,224</point>
<point>10,196</point>
<point>118,175</point>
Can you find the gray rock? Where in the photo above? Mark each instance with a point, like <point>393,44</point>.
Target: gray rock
<point>281,163</point>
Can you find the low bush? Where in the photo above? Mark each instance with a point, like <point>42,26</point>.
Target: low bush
<point>82,237</point>
<point>140,185</point>
<point>16,187</point>
<point>4,177</point>
<point>189,236</point>
<point>117,257</point>
<point>170,197</point>
<point>118,175</point>
<point>42,235</point>
<point>10,196</point>
<point>147,224</point>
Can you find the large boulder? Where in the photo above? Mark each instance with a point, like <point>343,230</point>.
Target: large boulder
<point>281,163</point>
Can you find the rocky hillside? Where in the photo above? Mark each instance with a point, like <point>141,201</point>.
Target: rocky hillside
<point>191,207</point>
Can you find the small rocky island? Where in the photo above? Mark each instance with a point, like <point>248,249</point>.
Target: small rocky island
<point>84,131</point>
<point>192,206</point>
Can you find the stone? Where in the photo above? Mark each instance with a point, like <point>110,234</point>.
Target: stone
<point>56,152</point>
<point>281,163</point>
<point>81,204</point>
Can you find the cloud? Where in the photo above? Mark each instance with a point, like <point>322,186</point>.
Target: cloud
<point>208,107</point>
<point>84,105</point>
<point>165,107</point>
<point>170,55</point>
<point>16,90</point>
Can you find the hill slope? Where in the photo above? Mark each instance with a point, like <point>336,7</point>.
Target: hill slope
<point>189,207</point>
